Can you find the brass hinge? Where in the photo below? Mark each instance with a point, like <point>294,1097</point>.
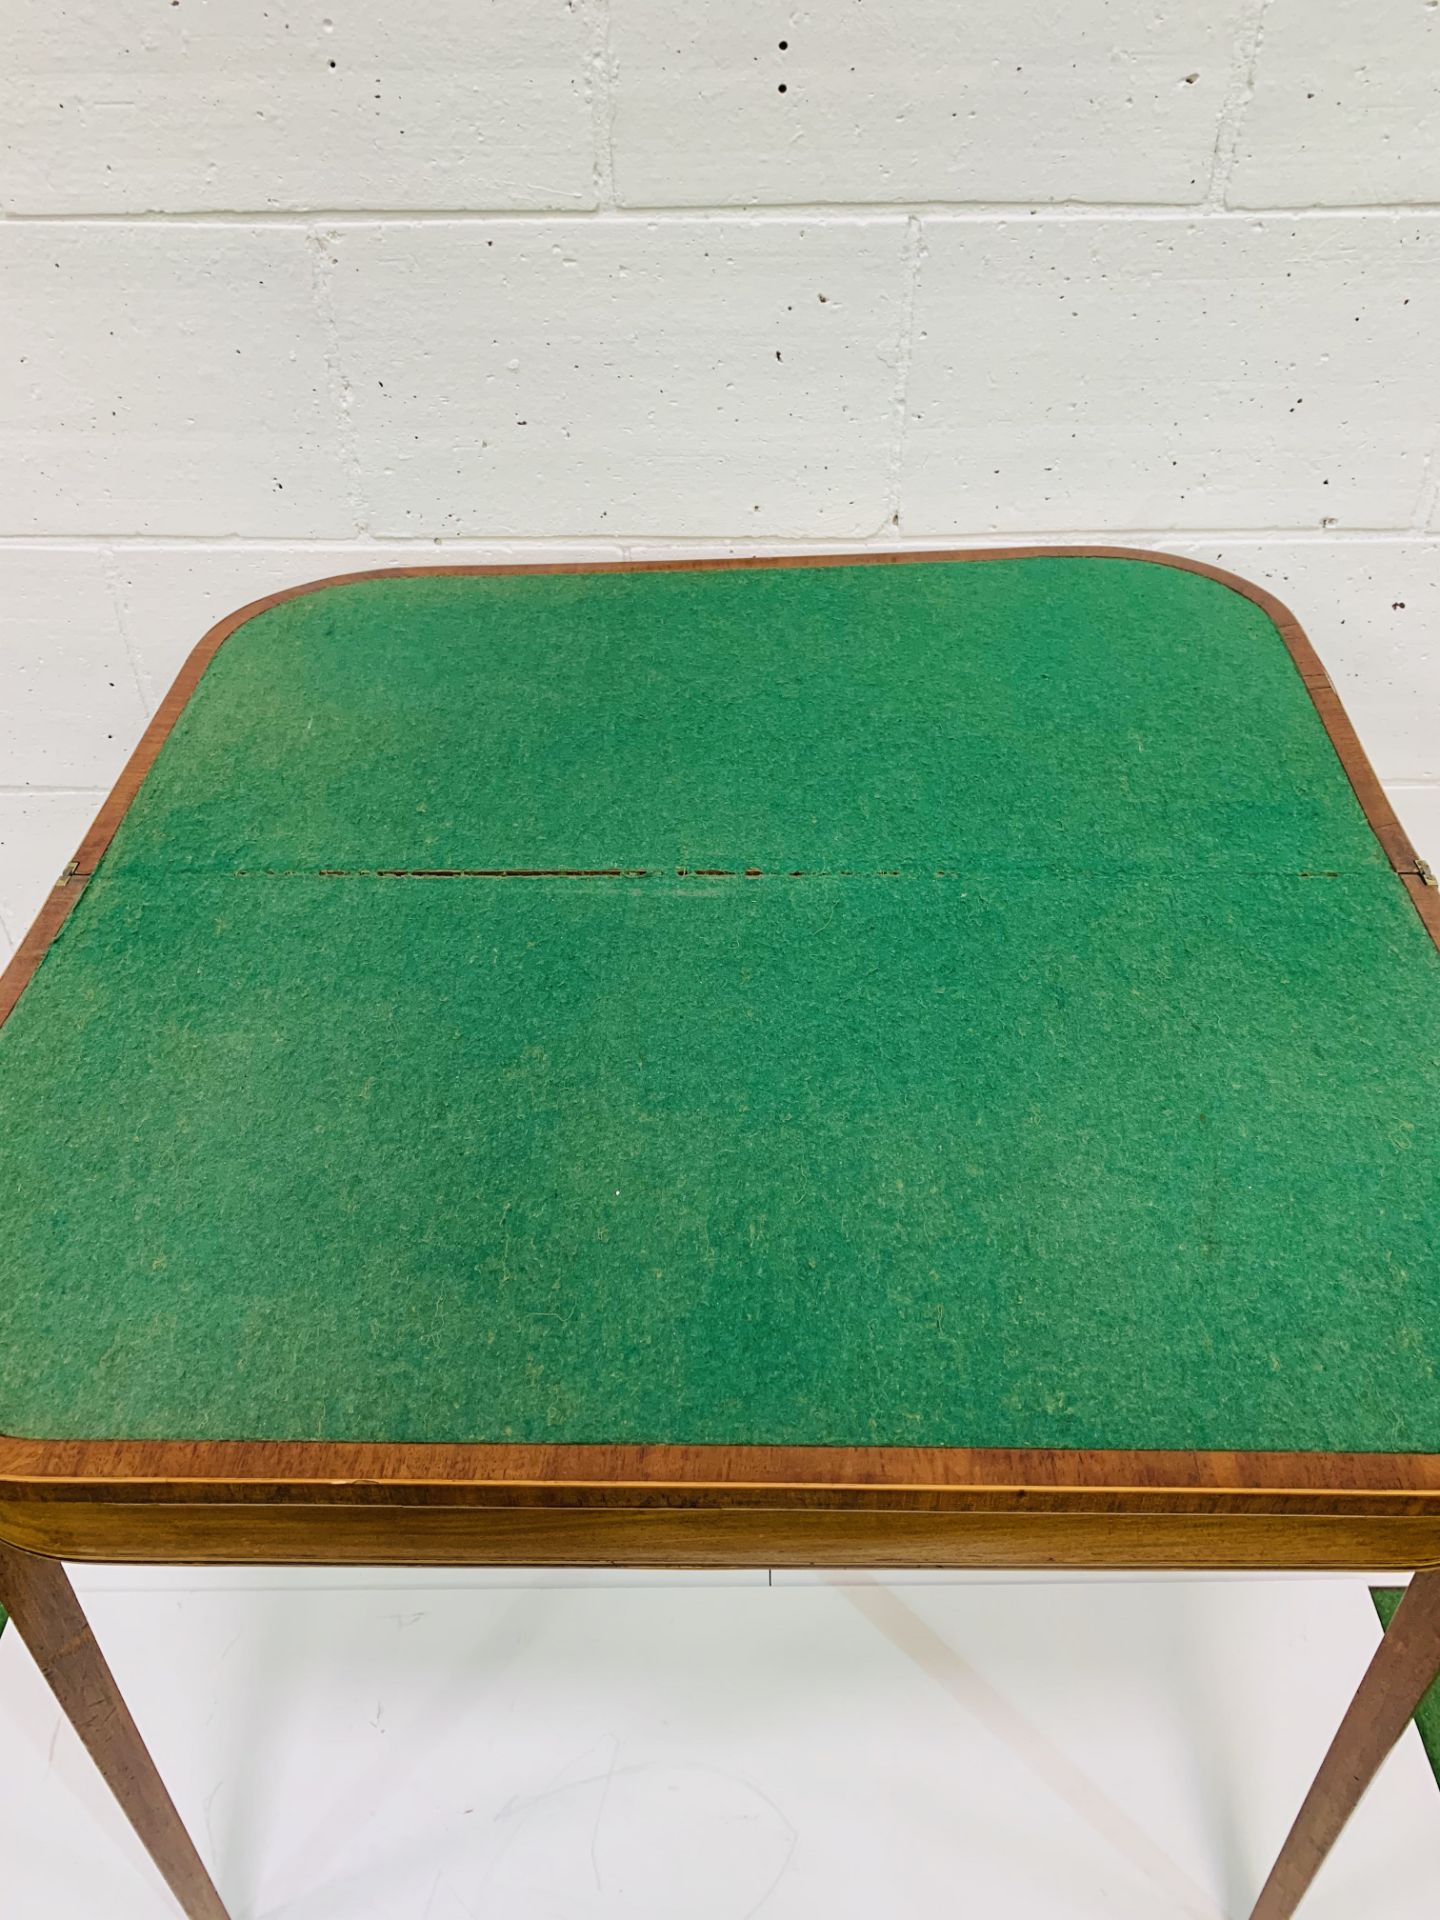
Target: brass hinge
<point>69,873</point>
<point>1426,873</point>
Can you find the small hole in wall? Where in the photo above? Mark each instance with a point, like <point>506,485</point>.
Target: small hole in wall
<point>783,45</point>
<point>782,87</point>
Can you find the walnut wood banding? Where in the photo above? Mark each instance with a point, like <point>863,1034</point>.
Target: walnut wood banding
<point>262,1500</point>
<point>1405,1663</point>
<point>37,1595</point>
<point>678,1534</point>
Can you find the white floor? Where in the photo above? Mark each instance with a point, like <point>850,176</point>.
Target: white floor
<point>461,1746</point>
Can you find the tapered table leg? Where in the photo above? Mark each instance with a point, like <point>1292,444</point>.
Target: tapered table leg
<point>1406,1662</point>
<point>37,1595</point>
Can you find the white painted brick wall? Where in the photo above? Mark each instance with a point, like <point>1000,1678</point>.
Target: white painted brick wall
<point>511,279</point>
<point>217,105</point>
<point>166,379</point>
<point>680,376</point>
<point>1346,107</point>
<point>1177,373</point>
<point>750,103</point>
<point>73,702</point>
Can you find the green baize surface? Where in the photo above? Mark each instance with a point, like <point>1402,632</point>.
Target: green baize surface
<point>1053,1062</point>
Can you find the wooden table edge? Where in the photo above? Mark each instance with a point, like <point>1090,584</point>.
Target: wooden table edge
<point>1367,1496</point>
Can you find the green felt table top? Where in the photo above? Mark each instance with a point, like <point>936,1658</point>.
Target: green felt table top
<point>1065,1072</point>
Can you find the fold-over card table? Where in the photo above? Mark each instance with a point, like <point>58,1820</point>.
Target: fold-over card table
<point>822,1062</point>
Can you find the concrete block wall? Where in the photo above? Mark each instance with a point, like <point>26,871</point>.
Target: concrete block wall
<point>289,290</point>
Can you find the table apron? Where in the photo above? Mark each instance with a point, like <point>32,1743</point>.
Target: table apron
<point>359,1534</point>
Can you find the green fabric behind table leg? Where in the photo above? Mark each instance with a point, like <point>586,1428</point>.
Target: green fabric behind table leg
<point>1427,1716</point>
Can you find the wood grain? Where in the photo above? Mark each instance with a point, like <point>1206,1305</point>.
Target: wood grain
<point>41,1603</point>
<point>143,1499</point>
<point>1407,1661</point>
<point>681,1534</point>
<point>1039,1479</point>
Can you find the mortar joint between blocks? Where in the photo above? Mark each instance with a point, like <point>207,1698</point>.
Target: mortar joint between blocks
<point>1235,105</point>
<point>341,392</point>
<point>600,93</point>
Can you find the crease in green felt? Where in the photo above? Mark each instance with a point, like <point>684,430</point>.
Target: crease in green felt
<point>1068,1076</point>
